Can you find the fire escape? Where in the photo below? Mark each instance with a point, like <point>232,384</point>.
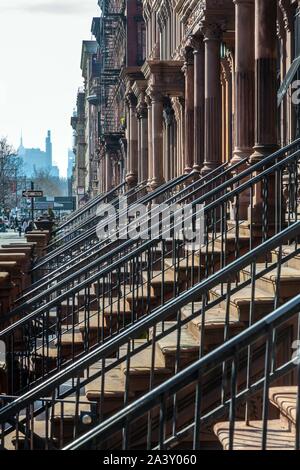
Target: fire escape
<point>112,41</point>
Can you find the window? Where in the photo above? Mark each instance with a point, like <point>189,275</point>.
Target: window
<point>141,42</point>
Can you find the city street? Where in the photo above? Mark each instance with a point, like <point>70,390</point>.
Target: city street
<point>11,237</point>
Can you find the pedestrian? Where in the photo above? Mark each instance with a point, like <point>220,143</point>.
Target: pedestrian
<point>19,227</point>
<point>24,225</point>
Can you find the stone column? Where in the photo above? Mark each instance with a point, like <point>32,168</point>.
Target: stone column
<point>265,79</point>
<point>157,139</point>
<point>265,104</point>
<point>150,143</point>
<point>198,103</point>
<point>213,117</point>
<point>244,79</point>
<point>168,158</point>
<point>132,170</point>
<point>189,109</point>
<point>143,144</point>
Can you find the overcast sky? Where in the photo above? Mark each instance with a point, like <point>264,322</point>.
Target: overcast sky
<point>40,50</point>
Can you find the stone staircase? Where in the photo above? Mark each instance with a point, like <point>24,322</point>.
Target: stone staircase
<point>92,316</point>
<point>126,382</point>
<point>281,433</point>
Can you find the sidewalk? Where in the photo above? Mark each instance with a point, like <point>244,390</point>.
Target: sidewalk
<point>11,237</point>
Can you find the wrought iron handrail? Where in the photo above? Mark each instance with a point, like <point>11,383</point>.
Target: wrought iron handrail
<point>88,206</point>
<point>97,248</point>
<point>85,224</point>
<point>192,374</point>
<point>74,237</point>
<point>145,323</point>
<point>147,198</point>
<point>257,167</point>
<point>107,259</point>
<point>287,160</point>
<point>212,205</point>
<point>126,258</point>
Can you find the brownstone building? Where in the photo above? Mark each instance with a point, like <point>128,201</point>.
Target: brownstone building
<point>131,338</point>
<point>189,84</point>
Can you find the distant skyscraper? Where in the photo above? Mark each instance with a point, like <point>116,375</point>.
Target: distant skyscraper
<point>35,159</point>
<point>49,149</point>
<point>71,161</point>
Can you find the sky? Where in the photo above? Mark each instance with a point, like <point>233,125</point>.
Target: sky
<point>40,51</point>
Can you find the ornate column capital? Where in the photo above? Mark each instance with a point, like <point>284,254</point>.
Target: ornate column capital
<point>148,101</point>
<point>211,31</point>
<point>155,95</point>
<point>197,44</point>
<point>131,99</point>
<point>188,55</point>
<point>142,108</point>
<point>142,111</point>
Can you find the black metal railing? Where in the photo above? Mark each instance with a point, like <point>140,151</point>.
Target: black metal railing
<point>83,259</point>
<point>85,240</point>
<point>116,295</point>
<point>91,219</point>
<point>125,353</point>
<point>229,417</point>
<point>85,212</point>
<point>81,238</point>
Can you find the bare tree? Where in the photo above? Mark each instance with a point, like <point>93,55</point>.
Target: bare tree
<point>11,173</point>
<point>51,185</point>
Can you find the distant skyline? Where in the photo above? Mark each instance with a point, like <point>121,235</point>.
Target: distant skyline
<point>40,50</point>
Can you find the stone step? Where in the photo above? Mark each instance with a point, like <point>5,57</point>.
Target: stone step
<point>167,346</point>
<point>139,298</point>
<point>93,324</point>
<point>214,324</point>
<point>289,280</point>
<point>188,268</point>
<point>240,302</point>
<point>64,419</point>
<point>140,369</point>
<point>85,296</point>
<point>116,311</point>
<point>286,250</point>
<point>69,307</point>
<point>71,343</point>
<point>106,287</point>
<point>231,241</point>
<point>158,280</point>
<point>44,363</point>
<point>285,399</point>
<point>280,436</point>
<point>114,390</point>
<point>39,428</point>
<point>244,227</point>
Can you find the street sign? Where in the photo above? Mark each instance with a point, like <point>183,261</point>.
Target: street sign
<point>30,194</point>
<point>43,205</point>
